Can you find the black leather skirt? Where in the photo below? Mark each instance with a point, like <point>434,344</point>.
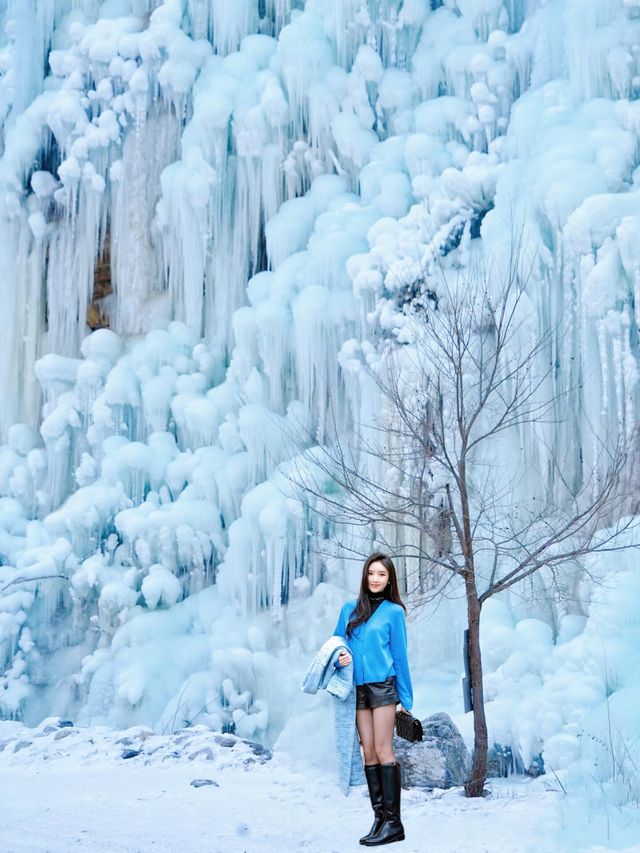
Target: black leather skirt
<point>374,694</point>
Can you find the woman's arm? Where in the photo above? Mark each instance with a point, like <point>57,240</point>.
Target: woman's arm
<point>398,646</point>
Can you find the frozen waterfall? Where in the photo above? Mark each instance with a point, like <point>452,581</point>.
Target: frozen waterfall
<point>211,215</point>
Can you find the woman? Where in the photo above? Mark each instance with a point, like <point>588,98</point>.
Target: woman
<point>374,628</point>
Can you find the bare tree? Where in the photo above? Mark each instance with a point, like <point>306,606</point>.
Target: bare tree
<point>472,377</point>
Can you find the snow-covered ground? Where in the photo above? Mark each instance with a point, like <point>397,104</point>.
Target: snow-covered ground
<point>69,788</point>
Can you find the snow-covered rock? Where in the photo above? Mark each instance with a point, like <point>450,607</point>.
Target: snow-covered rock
<point>440,760</point>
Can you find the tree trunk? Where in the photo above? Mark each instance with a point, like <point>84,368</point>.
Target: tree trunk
<point>475,786</point>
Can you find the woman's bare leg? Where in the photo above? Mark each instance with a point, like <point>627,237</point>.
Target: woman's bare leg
<point>383,722</point>
<point>364,722</point>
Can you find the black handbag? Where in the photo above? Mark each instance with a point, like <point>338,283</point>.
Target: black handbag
<point>408,727</point>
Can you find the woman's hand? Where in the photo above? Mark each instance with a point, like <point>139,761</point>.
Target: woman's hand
<point>402,709</point>
<point>344,658</point>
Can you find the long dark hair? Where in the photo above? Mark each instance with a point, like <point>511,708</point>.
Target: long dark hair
<point>363,606</point>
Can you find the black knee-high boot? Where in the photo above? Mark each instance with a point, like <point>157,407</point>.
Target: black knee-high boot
<point>392,828</point>
<point>374,783</point>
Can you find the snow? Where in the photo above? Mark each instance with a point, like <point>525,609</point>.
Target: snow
<point>52,774</point>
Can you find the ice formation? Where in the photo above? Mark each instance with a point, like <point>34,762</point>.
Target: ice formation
<point>266,182</point>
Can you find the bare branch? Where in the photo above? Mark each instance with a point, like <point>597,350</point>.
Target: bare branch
<point>27,580</point>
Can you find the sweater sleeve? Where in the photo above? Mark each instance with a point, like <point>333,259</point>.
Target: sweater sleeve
<point>398,646</point>
<point>341,626</point>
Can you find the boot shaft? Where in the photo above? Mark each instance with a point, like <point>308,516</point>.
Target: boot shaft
<point>391,787</point>
<point>374,783</point>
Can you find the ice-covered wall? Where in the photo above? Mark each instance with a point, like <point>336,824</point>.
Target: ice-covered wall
<point>266,183</point>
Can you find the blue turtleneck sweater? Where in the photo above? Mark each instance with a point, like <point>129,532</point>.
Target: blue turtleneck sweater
<point>379,647</point>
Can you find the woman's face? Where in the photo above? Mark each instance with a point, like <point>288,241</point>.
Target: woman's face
<point>377,576</point>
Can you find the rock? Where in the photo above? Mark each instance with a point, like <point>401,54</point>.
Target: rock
<point>226,740</point>
<point>61,733</point>
<point>198,729</point>
<point>50,724</point>
<point>182,738</point>
<point>440,760</point>
<point>205,753</point>
<point>21,745</point>
<point>140,732</point>
<point>130,753</point>
<point>175,753</point>
<point>536,768</point>
<point>260,750</point>
<point>134,734</point>
<point>198,783</point>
